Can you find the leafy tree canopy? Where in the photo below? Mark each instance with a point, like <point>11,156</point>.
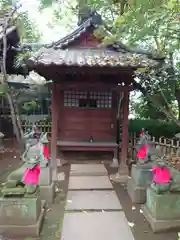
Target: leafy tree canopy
<point>28,30</point>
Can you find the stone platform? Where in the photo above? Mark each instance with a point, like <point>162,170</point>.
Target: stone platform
<point>162,211</point>
<point>160,225</point>
<point>92,200</point>
<point>21,216</point>
<point>88,170</point>
<point>89,182</point>
<point>96,226</point>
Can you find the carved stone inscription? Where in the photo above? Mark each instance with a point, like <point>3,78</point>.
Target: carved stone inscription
<point>18,211</point>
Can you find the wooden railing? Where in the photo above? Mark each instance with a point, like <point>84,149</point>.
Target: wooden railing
<point>169,147</point>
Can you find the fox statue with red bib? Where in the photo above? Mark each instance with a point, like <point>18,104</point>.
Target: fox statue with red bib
<point>24,180</point>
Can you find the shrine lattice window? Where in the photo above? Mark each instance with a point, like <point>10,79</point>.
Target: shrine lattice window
<point>92,99</point>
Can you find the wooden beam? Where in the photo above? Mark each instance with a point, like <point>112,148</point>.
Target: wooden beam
<point>50,70</point>
<point>95,86</point>
<point>124,141</point>
<point>54,128</point>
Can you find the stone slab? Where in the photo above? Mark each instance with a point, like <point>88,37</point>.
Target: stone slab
<point>96,226</point>
<point>89,182</point>
<point>160,225</point>
<point>137,194</point>
<point>92,200</point>
<point>88,170</point>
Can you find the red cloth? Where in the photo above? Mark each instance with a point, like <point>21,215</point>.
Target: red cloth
<point>161,175</point>
<point>46,151</point>
<point>142,153</point>
<point>31,176</point>
<point>141,133</point>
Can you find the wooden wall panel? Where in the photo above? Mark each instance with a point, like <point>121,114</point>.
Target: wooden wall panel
<point>81,124</point>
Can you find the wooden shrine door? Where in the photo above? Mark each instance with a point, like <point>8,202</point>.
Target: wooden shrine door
<point>87,115</point>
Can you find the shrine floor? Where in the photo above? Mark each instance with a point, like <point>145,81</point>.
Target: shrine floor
<point>69,202</point>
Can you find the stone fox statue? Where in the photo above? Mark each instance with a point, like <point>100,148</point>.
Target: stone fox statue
<point>32,137</point>
<point>25,179</point>
<point>143,147</point>
<point>165,179</point>
<point>146,150</point>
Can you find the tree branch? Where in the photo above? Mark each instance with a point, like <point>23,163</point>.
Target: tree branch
<point>155,103</point>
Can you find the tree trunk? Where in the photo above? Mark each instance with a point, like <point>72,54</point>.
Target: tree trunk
<point>17,128</point>
<point>177,95</point>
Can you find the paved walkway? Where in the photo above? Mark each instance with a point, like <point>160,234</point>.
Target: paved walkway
<point>93,211</point>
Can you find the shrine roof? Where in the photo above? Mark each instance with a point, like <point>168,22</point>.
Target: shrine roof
<point>93,21</point>
<point>59,53</point>
<point>90,58</point>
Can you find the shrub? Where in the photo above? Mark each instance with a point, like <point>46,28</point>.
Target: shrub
<point>156,128</point>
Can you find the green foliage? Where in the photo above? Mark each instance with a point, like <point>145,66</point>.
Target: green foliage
<point>3,89</point>
<point>156,128</point>
<point>27,28</point>
<point>29,106</point>
<point>143,109</point>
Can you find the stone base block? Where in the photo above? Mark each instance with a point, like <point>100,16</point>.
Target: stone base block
<point>114,163</point>
<point>21,217</point>
<point>164,206</point>
<point>160,225</point>
<point>117,178</point>
<point>137,194</point>
<point>45,177</point>
<point>142,174</point>
<point>47,193</point>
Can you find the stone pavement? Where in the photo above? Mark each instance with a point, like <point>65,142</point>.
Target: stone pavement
<point>93,211</point>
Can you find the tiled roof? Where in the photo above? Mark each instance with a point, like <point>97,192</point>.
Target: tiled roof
<point>58,53</point>
<point>94,20</point>
<point>90,58</point>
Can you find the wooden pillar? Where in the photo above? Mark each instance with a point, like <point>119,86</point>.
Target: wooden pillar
<point>54,129</point>
<point>124,142</point>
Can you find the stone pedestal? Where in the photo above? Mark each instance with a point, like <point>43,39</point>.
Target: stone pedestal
<point>115,163</point>
<point>141,176</point>
<point>122,175</point>
<point>162,211</point>
<point>21,217</point>
<point>47,187</point>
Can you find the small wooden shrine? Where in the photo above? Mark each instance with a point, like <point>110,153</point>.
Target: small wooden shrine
<point>90,90</point>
